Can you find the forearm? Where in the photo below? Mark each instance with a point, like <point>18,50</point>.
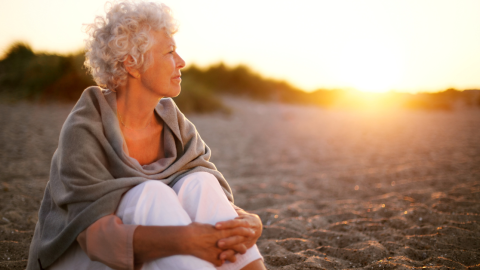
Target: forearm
<point>197,239</point>
<point>153,242</point>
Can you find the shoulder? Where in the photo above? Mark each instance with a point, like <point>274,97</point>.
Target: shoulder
<point>86,114</point>
<point>91,96</point>
<point>88,105</point>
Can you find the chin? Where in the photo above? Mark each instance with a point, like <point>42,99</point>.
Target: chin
<point>178,92</point>
<point>174,93</point>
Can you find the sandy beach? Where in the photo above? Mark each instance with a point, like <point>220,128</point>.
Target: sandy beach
<point>334,189</point>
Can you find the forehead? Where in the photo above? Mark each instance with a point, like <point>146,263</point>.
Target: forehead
<point>163,40</point>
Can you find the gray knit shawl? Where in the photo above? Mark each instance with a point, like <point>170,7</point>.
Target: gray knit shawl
<point>90,170</point>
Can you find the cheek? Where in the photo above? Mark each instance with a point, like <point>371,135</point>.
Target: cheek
<point>172,64</point>
<point>167,68</point>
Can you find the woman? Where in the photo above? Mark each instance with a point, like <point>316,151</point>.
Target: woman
<point>131,185</point>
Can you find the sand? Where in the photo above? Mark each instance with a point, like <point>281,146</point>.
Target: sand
<point>334,189</point>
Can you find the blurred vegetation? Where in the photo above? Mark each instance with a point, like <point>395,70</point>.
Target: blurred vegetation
<point>40,76</point>
<point>241,81</point>
<point>28,75</point>
<point>197,98</point>
<point>447,100</point>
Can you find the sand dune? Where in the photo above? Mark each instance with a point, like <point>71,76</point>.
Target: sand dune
<point>334,189</point>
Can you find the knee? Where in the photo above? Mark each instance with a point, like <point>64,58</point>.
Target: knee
<point>201,183</point>
<point>154,188</point>
<point>201,180</point>
<point>152,203</point>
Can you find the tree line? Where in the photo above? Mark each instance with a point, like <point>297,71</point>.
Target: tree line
<point>43,77</point>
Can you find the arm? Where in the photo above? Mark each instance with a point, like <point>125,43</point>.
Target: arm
<point>109,241</point>
<point>119,246</point>
<point>199,240</point>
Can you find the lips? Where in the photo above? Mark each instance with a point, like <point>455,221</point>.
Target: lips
<point>177,78</point>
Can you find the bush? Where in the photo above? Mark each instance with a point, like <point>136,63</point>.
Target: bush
<point>26,75</point>
<point>196,97</point>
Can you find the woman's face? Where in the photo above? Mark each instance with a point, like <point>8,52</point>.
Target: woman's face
<point>163,75</point>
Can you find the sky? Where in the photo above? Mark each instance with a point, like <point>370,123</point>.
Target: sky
<point>368,45</point>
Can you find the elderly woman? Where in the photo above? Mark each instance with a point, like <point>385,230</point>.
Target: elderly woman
<point>131,185</point>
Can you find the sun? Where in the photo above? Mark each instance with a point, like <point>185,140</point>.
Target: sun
<point>369,66</point>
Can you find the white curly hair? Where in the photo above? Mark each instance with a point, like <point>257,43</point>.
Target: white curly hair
<point>124,31</point>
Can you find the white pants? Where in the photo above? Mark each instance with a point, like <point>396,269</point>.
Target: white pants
<point>197,197</point>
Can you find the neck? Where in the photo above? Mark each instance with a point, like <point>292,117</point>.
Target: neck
<point>135,105</point>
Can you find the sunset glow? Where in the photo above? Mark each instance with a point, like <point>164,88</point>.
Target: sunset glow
<point>369,66</point>
<point>371,45</point>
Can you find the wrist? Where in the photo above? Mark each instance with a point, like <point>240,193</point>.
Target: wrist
<point>184,245</point>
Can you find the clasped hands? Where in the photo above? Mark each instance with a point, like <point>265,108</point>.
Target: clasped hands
<point>221,242</point>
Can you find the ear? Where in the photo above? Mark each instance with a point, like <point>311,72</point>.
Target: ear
<point>131,71</point>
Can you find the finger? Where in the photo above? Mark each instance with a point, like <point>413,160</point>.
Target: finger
<point>228,243</point>
<point>239,231</point>
<point>228,255</point>
<point>240,248</point>
<point>218,263</point>
<point>233,223</point>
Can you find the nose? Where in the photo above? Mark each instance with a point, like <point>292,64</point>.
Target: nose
<point>180,62</point>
